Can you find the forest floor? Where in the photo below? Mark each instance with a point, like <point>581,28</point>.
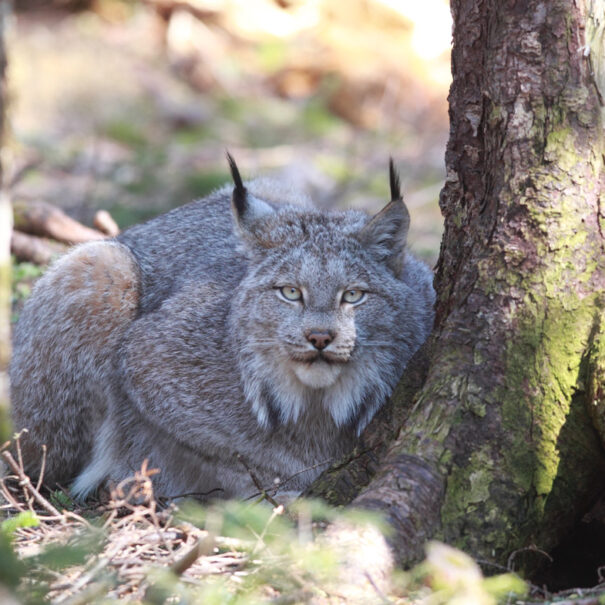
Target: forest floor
<point>127,547</point>
<point>126,110</point>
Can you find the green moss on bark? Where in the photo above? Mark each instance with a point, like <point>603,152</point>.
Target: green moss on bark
<point>557,342</point>
<point>541,283</point>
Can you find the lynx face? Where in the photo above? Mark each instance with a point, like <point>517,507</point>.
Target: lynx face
<point>319,313</point>
<point>314,315</point>
<point>319,342</point>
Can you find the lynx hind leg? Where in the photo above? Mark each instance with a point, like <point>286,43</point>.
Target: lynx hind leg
<point>64,344</point>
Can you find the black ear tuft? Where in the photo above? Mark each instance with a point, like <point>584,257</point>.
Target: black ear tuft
<point>248,210</point>
<point>394,180</point>
<point>240,193</point>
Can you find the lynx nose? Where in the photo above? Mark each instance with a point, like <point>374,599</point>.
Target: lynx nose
<point>320,339</point>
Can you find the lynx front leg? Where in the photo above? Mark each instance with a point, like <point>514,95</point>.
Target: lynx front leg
<point>64,346</point>
<point>181,407</point>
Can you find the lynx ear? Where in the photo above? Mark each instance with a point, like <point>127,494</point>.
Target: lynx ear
<point>386,233</point>
<point>246,208</point>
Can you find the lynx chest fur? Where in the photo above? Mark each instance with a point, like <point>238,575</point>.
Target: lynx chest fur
<point>243,332</point>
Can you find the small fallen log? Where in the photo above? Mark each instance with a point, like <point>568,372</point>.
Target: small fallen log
<point>32,249</point>
<point>104,222</point>
<point>43,231</point>
<point>43,219</point>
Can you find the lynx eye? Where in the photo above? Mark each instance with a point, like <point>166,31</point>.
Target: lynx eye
<point>353,296</point>
<point>291,293</point>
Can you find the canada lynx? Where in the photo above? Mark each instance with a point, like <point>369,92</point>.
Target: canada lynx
<point>219,343</point>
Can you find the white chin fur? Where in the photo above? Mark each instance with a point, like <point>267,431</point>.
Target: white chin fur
<point>318,375</point>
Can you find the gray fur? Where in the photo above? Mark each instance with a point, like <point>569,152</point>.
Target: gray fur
<point>173,343</point>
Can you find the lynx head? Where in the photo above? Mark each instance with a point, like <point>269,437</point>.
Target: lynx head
<point>325,318</point>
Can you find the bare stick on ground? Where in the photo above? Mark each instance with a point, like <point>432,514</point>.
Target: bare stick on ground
<point>104,222</point>
<point>25,481</point>
<point>32,249</point>
<point>43,219</point>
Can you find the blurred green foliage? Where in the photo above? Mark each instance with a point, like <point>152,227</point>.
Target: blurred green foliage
<point>126,132</point>
<point>281,556</point>
<point>22,278</point>
<point>11,568</point>
<point>200,184</point>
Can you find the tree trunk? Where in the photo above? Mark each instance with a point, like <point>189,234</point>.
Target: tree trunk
<point>5,259</point>
<point>499,451</point>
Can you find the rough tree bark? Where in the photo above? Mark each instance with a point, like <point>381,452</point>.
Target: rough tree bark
<point>5,260</point>
<point>499,451</point>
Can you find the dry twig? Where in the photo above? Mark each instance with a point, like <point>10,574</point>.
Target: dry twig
<point>43,219</point>
<point>262,492</point>
<point>104,222</point>
<point>25,482</point>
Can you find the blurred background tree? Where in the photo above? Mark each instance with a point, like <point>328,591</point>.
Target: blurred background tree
<point>5,259</point>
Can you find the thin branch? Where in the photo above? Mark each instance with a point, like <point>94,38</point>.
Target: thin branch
<point>262,492</point>
<point>201,548</point>
<point>27,484</point>
<point>377,590</point>
<point>42,467</point>
<point>532,548</point>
